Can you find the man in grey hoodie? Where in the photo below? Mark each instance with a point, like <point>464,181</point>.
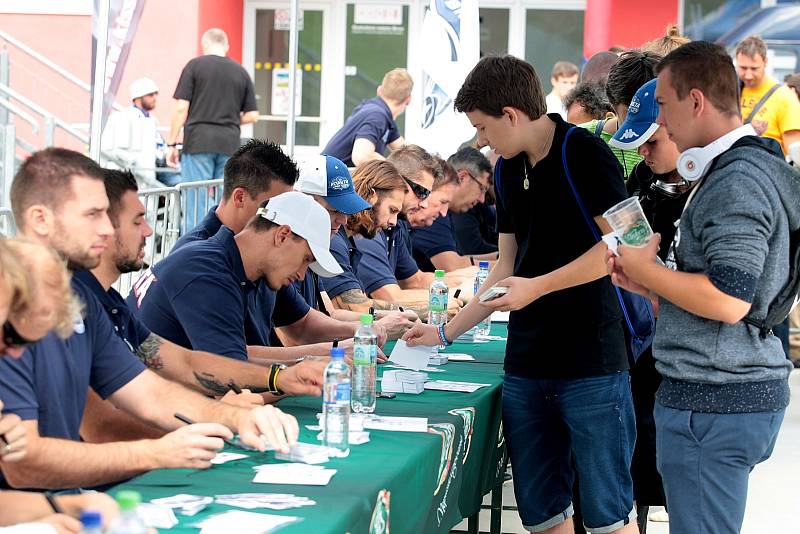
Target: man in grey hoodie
<point>725,387</point>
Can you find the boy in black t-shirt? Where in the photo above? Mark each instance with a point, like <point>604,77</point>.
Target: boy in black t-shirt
<point>566,392</point>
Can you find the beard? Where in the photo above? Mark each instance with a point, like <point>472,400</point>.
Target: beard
<point>127,264</point>
<point>77,260</point>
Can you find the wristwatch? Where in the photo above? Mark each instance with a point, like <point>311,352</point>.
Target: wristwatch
<point>272,379</point>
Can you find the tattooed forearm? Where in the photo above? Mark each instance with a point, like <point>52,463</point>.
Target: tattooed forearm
<point>353,296</point>
<point>148,352</point>
<point>213,386</point>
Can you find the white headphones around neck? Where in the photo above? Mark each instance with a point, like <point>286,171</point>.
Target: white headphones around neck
<point>693,163</point>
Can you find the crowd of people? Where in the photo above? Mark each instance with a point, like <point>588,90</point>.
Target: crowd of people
<point>250,301</point>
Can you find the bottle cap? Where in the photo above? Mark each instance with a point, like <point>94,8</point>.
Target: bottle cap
<point>91,519</point>
<point>439,273</point>
<point>128,500</point>
<point>366,319</point>
<point>483,264</point>
<point>337,353</point>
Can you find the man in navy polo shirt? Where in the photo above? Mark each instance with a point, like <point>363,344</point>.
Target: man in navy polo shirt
<point>197,296</point>
<point>371,127</point>
<point>59,199</point>
<point>434,246</point>
<point>328,180</point>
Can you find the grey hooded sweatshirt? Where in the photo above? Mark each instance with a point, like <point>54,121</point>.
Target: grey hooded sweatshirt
<point>736,231</point>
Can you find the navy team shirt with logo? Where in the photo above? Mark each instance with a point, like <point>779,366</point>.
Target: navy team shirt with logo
<point>348,256</point>
<point>267,307</point>
<point>130,329</point>
<point>431,240</point>
<point>386,258</point>
<point>49,382</point>
<point>371,120</point>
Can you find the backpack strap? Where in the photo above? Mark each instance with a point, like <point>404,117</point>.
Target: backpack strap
<point>598,129</point>
<point>761,103</point>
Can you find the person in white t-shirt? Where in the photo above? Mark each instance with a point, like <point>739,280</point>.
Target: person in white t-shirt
<point>563,78</point>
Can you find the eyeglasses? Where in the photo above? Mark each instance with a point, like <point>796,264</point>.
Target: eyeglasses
<point>484,187</point>
<point>421,192</point>
<point>12,338</point>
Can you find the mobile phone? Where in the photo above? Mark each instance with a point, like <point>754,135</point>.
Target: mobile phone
<point>382,395</point>
<point>493,293</point>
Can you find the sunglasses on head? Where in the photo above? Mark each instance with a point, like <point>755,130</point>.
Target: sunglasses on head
<point>12,338</point>
<point>419,191</point>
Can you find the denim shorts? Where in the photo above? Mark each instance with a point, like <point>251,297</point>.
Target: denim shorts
<point>554,427</point>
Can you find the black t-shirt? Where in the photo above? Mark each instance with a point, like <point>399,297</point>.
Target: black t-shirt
<point>661,211</point>
<point>217,89</point>
<point>476,230</point>
<point>575,332</point>
<point>431,240</point>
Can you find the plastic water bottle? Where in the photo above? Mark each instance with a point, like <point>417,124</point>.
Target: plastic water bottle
<point>484,327</point>
<point>437,300</point>
<point>365,361</point>
<point>92,522</point>
<point>336,405</point>
<point>128,521</point>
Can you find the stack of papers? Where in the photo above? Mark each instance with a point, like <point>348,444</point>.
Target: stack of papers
<point>294,473</point>
<point>273,501</point>
<point>500,316</point>
<point>225,457</point>
<point>354,437</point>
<point>438,358</point>
<point>243,523</point>
<point>397,424</point>
<point>479,339</point>
<point>306,453</point>
<point>403,382</point>
<point>187,504</point>
<point>155,516</point>
<point>449,385</point>
<point>459,357</point>
<point>415,358</point>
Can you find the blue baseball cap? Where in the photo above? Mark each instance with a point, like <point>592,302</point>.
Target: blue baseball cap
<point>640,123</point>
<point>329,177</point>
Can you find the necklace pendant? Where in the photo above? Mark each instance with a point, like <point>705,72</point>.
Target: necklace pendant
<point>526,183</point>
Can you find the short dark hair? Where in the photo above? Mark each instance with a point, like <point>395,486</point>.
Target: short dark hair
<point>117,184</point>
<point>470,159</point>
<point>592,97</point>
<point>497,82</point>
<point>411,160</point>
<point>46,178</point>
<point>633,70</point>
<point>255,165</point>
<point>596,69</point>
<point>707,67</point>
<point>793,81</point>
<point>752,46</point>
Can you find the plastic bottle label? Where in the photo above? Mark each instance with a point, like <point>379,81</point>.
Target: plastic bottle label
<point>338,394</point>
<point>438,303</point>
<point>365,354</point>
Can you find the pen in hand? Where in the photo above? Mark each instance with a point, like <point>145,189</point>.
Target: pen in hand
<point>182,418</point>
<point>232,386</point>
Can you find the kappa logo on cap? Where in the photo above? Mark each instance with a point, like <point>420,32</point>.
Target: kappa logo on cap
<point>339,184</point>
<point>628,134</point>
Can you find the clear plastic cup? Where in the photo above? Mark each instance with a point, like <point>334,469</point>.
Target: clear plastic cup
<point>629,223</point>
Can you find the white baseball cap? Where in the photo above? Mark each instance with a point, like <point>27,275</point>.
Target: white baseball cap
<point>308,220</point>
<point>141,87</point>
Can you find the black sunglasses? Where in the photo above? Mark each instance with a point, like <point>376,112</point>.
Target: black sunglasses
<point>12,338</point>
<point>421,192</point>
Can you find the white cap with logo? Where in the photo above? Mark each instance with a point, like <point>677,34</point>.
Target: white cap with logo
<point>308,220</point>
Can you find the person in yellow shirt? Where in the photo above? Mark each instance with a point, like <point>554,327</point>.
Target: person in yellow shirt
<point>771,107</point>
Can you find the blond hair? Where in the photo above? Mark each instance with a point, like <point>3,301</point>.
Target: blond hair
<point>664,45</point>
<point>213,37</point>
<point>14,277</point>
<point>397,85</point>
<point>48,273</point>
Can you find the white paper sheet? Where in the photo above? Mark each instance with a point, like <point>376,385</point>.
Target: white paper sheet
<point>397,424</point>
<point>293,473</point>
<point>460,357</point>
<point>449,385</point>
<point>225,457</point>
<point>412,357</point>
<point>244,523</point>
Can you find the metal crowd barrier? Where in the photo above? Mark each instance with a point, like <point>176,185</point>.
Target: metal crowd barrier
<point>8,227</point>
<point>197,198</point>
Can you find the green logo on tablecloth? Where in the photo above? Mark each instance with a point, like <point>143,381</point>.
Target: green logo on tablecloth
<point>468,415</point>
<point>379,524</point>
<point>447,431</point>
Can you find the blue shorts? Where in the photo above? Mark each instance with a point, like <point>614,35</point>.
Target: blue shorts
<point>555,426</point>
<point>705,461</point>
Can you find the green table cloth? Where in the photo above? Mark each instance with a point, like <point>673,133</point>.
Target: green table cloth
<point>419,482</point>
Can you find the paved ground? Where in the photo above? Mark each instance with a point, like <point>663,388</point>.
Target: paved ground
<point>774,502</point>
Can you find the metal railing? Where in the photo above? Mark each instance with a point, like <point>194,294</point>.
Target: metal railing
<point>197,198</point>
<point>8,227</point>
<point>51,122</point>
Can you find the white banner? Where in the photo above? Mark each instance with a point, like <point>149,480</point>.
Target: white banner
<point>449,48</point>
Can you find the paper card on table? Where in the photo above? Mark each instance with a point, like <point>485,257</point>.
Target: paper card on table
<point>448,385</point>
<point>500,316</point>
<point>412,357</point>
<point>397,424</point>
<point>225,457</point>
<point>489,338</point>
<point>460,357</point>
<point>181,500</point>
<point>293,473</point>
<point>244,523</point>
<point>273,501</point>
<point>155,516</point>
